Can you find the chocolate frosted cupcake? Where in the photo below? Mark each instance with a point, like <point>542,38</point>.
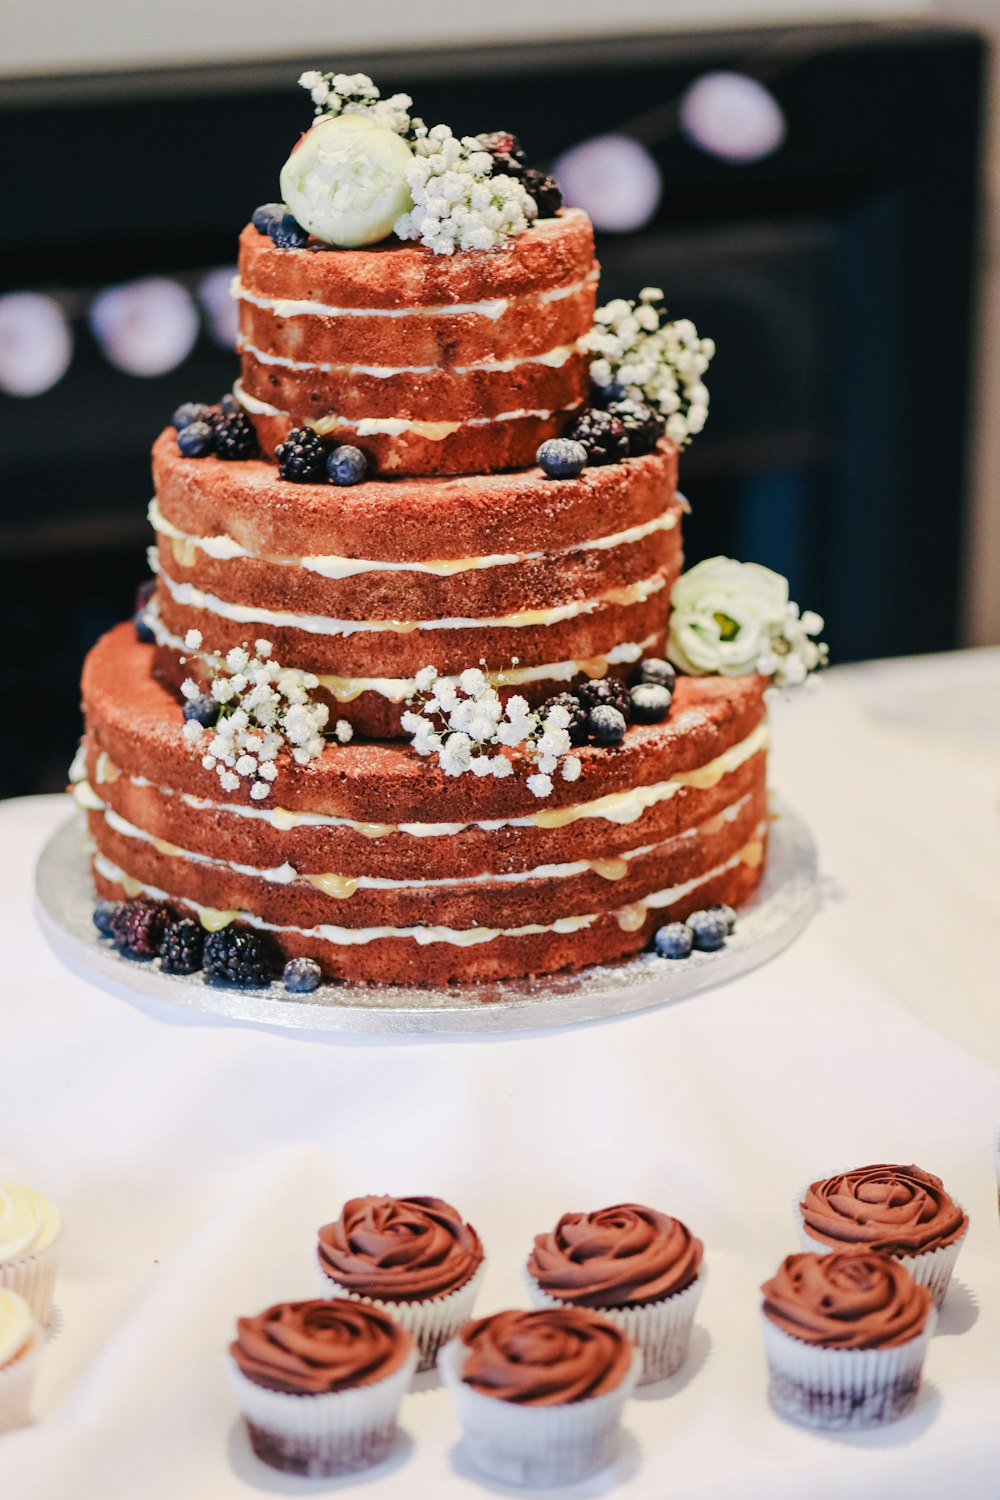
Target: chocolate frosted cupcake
<point>901,1211</point>
<point>20,1353</point>
<point>638,1268</point>
<point>30,1227</point>
<point>540,1394</point>
<point>846,1334</point>
<point>320,1384</point>
<point>414,1256</point>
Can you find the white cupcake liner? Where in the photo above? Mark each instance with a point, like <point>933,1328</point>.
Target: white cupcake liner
<point>930,1268</point>
<point>843,1389</point>
<point>337,1432</point>
<point>34,1277</point>
<point>662,1330</point>
<point>432,1322</point>
<point>537,1445</point>
<point>17,1379</point>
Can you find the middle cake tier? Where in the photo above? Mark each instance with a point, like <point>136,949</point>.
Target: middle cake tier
<point>543,582</point>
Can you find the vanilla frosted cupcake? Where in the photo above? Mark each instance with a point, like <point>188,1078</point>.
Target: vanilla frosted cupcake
<point>20,1352</point>
<point>30,1227</point>
<point>639,1268</point>
<point>846,1334</point>
<point>901,1211</point>
<point>415,1257</point>
<point>540,1394</point>
<point>320,1384</point>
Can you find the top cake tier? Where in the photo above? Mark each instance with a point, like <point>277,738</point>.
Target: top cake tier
<point>432,364</point>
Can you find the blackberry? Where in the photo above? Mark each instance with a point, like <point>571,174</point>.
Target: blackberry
<point>505,150</point>
<point>653,669</point>
<point>180,951</point>
<point>602,434</point>
<point>302,457</point>
<point>239,955</point>
<point>650,703</point>
<point>235,437</point>
<point>196,439</point>
<point>643,426</point>
<point>605,690</point>
<point>710,929</point>
<point>577,726</point>
<point>301,976</point>
<point>561,459</point>
<point>103,913</point>
<point>546,192</point>
<point>137,927</point>
<point>606,724</point>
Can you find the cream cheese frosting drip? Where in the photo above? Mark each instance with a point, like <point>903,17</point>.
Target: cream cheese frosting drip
<point>344,886</point>
<point>190,595</point>
<point>17,1329</point>
<point>225,548</point>
<point>629,918</point>
<point>28,1221</point>
<point>398,689</point>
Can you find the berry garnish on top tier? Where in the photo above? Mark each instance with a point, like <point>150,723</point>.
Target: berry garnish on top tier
<point>274,220</point>
<point>224,430</point>
<point>196,440</point>
<point>510,159</point>
<point>240,956</point>
<point>643,425</point>
<point>602,434</point>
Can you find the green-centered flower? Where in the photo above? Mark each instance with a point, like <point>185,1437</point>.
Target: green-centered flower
<point>724,616</point>
<point>346,180</point>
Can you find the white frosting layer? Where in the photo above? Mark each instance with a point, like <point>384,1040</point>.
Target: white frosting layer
<point>28,1221</point>
<point>255,614</point>
<point>286,874</point>
<point>554,358</point>
<point>433,432</point>
<point>329,565</point>
<point>399,689</point>
<point>17,1327</point>
<point>349,937</point>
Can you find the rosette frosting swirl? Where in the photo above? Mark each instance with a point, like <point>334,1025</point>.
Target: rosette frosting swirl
<point>849,1299</point>
<point>310,1348</point>
<point>28,1221</point>
<point>545,1358</point>
<point>900,1210</point>
<point>622,1256</point>
<point>400,1249</point>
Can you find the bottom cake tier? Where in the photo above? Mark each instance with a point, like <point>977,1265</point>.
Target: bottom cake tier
<point>373,862</point>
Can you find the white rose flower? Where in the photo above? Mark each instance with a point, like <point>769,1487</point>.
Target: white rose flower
<point>723,614</point>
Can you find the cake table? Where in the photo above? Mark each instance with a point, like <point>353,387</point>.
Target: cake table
<point>194,1159</point>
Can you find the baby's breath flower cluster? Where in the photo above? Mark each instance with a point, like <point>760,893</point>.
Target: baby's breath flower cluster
<point>336,94</point>
<point>459,201</point>
<point>661,360</point>
<point>464,724</point>
<point>794,656</point>
<point>262,709</point>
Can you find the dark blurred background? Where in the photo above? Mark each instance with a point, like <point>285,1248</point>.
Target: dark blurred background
<point>808,197</point>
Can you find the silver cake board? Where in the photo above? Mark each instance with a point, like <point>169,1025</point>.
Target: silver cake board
<point>780,909</point>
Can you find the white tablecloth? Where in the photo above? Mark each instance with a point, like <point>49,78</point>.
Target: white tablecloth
<point>194,1159</point>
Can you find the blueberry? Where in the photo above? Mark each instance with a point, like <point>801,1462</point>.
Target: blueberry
<point>229,406</point>
<point>143,629</point>
<point>709,928</point>
<point>654,670</point>
<point>103,913</point>
<point>650,703</point>
<point>190,411</point>
<point>727,913</point>
<point>561,458</point>
<point>674,941</point>
<point>609,395</point>
<point>287,233</point>
<point>203,710</point>
<point>196,439</point>
<point>144,593</point>
<point>301,976</point>
<point>267,214</point>
<point>606,724</point>
<point>346,465</point>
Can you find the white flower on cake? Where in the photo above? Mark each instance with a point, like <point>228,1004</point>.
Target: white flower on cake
<point>735,618</point>
<point>662,361</point>
<point>336,94</point>
<point>262,709</point>
<point>346,180</point>
<point>463,722</point>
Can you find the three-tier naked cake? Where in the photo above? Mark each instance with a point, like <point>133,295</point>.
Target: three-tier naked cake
<point>399,703</point>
